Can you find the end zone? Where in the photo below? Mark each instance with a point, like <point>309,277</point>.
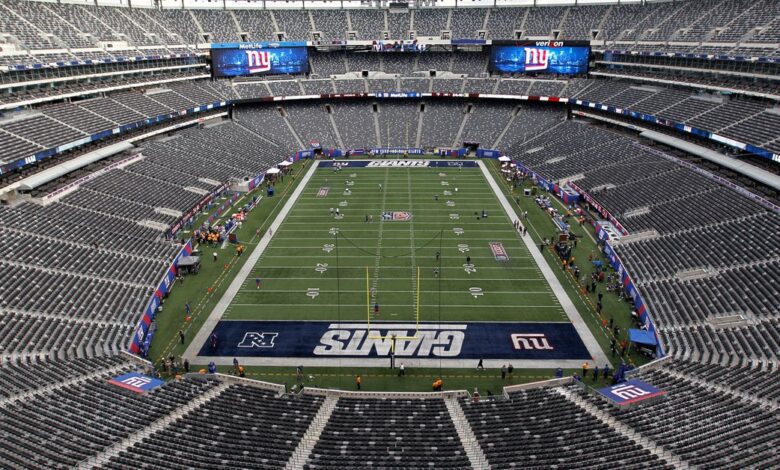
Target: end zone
<point>459,345</point>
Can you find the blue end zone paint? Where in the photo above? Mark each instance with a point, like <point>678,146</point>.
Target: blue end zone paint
<point>316,339</point>
<point>399,164</point>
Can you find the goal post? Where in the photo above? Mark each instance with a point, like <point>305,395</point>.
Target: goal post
<point>416,310</point>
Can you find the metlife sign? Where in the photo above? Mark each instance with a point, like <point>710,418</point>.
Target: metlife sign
<point>477,340</point>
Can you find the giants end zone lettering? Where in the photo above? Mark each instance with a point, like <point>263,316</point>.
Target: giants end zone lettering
<point>349,342</point>
<point>398,163</point>
<point>258,61</point>
<point>535,59</point>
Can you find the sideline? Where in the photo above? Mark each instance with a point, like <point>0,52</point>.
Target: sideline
<point>568,306</point>
<point>227,298</point>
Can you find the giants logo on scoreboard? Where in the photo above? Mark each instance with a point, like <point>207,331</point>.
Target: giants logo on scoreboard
<point>535,59</point>
<point>258,61</point>
<point>522,341</point>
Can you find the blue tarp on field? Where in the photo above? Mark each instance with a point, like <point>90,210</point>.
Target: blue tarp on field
<point>642,337</point>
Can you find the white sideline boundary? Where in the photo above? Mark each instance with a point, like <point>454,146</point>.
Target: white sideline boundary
<point>597,354</point>
<point>227,298</point>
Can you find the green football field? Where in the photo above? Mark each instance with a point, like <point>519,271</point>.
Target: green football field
<point>287,268</point>
<point>326,266</point>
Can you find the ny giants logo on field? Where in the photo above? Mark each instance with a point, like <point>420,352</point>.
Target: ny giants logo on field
<point>258,61</point>
<point>530,341</point>
<point>535,59</point>
<point>499,252</point>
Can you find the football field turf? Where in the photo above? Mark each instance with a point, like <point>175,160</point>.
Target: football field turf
<point>416,259</point>
<point>323,266</point>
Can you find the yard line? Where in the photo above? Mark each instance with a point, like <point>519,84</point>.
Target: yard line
<point>378,257</point>
<point>314,304</point>
<point>371,256</point>
<point>503,268</point>
<point>414,272</point>
<point>508,231</point>
<point>400,278</point>
<point>301,291</point>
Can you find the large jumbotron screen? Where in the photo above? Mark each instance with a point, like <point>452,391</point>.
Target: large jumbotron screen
<point>240,59</point>
<point>558,57</point>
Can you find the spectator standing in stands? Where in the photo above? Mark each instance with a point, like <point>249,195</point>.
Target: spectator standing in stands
<point>503,371</point>
<point>181,336</point>
<point>357,379</point>
<point>585,367</point>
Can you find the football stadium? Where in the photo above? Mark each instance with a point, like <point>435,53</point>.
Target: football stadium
<point>473,234</point>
